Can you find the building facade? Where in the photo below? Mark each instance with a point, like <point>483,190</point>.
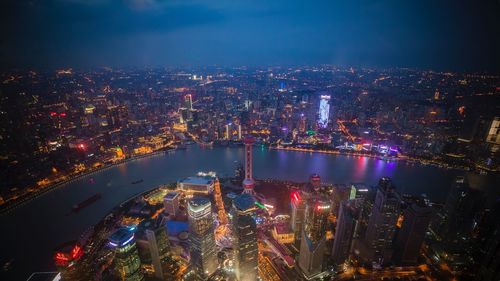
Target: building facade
<point>245,238</point>
<point>196,185</point>
<point>202,245</point>
<point>171,203</point>
<point>126,262</point>
<point>152,241</point>
<point>313,242</point>
<point>344,233</point>
<point>416,218</point>
<point>378,242</point>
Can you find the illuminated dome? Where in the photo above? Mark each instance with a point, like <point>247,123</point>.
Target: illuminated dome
<point>248,183</point>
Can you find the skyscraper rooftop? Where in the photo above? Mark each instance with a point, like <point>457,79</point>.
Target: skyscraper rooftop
<point>244,202</point>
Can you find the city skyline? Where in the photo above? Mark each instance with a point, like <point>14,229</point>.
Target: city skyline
<point>285,140</point>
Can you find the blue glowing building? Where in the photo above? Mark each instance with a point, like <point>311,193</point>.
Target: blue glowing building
<point>324,111</point>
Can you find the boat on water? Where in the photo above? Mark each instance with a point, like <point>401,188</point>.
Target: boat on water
<point>137,181</point>
<point>92,199</point>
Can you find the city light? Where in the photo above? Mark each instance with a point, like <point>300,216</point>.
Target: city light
<point>324,111</point>
<point>127,241</point>
<point>260,205</point>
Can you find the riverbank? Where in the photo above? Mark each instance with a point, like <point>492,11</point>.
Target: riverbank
<point>425,162</point>
<point>10,206</point>
<point>338,152</point>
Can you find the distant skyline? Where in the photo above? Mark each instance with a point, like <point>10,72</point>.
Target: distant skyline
<point>461,35</point>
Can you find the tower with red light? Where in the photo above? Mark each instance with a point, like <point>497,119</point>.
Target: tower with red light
<point>248,182</point>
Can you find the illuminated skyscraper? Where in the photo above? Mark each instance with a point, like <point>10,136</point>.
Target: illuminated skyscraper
<point>298,204</point>
<point>416,218</point>
<point>126,262</point>
<point>248,182</point>
<point>171,203</point>
<point>201,237</point>
<point>245,238</point>
<point>324,111</point>
<point>456,220</point>
<point>188,101</point>
<point>312,245</point>
<point>378,246</point>
<point>232,132</point>
<point>154,248</point>
<point>346,224</point>
<point>493,136</point>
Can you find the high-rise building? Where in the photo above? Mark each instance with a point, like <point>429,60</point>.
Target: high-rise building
<point>416,218</point>
<point>188,101</point>
<point>153,246</point>
<point>344,233</point>
<point>312,245</point>
<point>171,203</point>
<point>489,245</point>
<point>454,227</point>
<point>490,265</point>
<point>493,136</point>
<point>201,237</point>
<point>184,115</point>
<point>301,124</point>
<point>456,220</point>
<point>339,194</point>
<point>298,204</point>
<point>232,131</point>
<point>377,245</point>
<point>245,238</point>
<point>248,182</point>
<point>324,111</point>
<point>126,262</point>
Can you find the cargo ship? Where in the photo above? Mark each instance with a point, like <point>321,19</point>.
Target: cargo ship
<point>87,202</point>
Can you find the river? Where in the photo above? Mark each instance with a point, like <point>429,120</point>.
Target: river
<point>30,233</point>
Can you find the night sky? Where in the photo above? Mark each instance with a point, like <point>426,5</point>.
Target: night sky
<point>430,34</point>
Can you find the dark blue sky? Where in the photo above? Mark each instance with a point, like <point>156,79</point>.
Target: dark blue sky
<point>438,34</point>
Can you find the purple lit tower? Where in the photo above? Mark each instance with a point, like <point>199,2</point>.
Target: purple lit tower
<point>248,182</point>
